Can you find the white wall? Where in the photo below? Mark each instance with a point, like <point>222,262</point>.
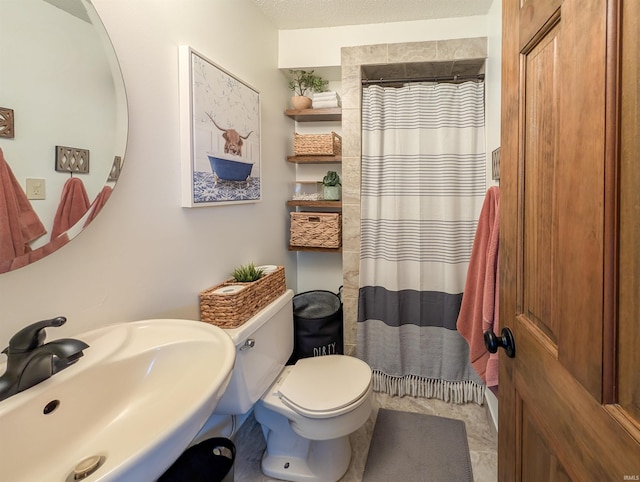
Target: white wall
<point>493,82</point>
<point>145,256</point>
<point>320,47</point>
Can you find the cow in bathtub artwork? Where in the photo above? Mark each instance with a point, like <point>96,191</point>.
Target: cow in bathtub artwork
<point>232,139</point>
<point>225,128</point>
<point>230,167</point>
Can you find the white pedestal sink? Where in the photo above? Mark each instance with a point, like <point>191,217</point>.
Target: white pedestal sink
<point>134,401</point>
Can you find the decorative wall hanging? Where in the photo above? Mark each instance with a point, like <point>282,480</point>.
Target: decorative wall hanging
<point>6,123</point>
<point>114,174</point>
<point>495,164</point>
<point>219,133</point>
<point>72,159</point>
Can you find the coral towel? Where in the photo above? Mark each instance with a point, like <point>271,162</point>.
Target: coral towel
<point>74,203</point>
<point>19,223</point>
<point>479,308</point>
<point>98,203</point>
<point>40,252</point>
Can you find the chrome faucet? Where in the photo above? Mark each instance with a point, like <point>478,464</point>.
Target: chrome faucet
<point>30,360</point>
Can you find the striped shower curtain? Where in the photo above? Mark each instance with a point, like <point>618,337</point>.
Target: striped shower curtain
<point>423,185</point>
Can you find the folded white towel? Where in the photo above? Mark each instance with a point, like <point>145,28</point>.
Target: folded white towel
<point>325,103</point>
<point>326,95</point>
<point>323,99</point>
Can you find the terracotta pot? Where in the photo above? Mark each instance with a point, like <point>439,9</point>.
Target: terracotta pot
<point>301,102</point>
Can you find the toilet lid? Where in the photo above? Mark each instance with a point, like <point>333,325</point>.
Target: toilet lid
<point>325,383</point>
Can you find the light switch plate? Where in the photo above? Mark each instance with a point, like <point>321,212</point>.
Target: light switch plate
<point>36,189</point>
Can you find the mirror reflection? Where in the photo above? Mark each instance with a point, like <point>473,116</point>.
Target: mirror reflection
<point>63,125</point>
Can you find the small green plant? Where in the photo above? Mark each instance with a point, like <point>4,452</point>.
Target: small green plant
<point>306,80</point>
<point>331,179</point>
<point>247,273</point>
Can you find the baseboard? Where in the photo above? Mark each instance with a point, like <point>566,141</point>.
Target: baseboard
<point>492,407</point>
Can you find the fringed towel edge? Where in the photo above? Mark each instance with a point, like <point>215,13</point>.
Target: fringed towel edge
<point>457,392</point>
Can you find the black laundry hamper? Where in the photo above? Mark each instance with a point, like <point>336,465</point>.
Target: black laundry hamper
<point>208,461</point>
<point>317,324</point>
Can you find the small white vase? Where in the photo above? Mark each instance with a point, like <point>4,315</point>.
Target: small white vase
<point>300,102</point>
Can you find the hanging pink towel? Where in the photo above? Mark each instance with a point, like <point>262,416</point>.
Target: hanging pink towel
<point>19,223</point>
<point>40,252</point>
<point>479,308</point>
<point>98,203</point>
<point>74,203</point>
<point>488,324</point>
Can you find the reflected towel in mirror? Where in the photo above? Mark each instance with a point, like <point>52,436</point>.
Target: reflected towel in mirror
<point>98,203</point>
<point>19,223</point>
<point>74,203</point>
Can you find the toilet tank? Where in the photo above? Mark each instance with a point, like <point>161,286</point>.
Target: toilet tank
<point>264,344</point>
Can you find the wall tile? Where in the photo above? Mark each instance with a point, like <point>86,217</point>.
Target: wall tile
<point>366,54</point>
<point>349,349</point>
<point>350,313</point>
<point>351,227</point>
<point>351,77</point>
<point>464,48</point>
<point>351,126</point>
<point>429,69</point>
<point>413,52</point>
<point>351,267</point>
<point>467,67</point>
<point>385,71</point>
<point>351,180</point>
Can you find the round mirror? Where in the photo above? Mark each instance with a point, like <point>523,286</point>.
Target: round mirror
<point>63,125</point>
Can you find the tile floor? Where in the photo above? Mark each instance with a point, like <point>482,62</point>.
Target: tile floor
<point>481,435</point>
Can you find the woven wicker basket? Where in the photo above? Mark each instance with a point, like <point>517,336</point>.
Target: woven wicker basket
<point>317,144</point>
<point>316,230</point>
<point>232,309</point>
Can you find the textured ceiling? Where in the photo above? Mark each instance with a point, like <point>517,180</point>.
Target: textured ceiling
<point>295,14</point>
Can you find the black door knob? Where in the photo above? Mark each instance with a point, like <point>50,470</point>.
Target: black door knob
<point>505,340</point>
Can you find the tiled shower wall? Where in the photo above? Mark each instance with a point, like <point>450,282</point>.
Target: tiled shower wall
<point>353,58</point>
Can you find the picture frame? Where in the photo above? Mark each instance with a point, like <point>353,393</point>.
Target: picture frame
<point>219,134</point>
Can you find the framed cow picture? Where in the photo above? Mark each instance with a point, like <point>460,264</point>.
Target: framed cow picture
<point>220,134</point>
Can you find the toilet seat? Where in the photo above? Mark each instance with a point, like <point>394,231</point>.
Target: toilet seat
<point>325,386</point>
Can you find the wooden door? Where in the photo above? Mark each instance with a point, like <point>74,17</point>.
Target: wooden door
<point>569,249</point>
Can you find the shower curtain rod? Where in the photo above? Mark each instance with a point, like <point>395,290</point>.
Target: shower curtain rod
<point>448,78</point>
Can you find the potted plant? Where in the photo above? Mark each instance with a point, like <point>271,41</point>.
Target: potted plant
<point>247,273</point>
<point>235,300</point>
<point>304,81</point>
<point>331,186</point>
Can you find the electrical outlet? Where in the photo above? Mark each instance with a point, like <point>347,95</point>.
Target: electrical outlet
<point>36,189</point>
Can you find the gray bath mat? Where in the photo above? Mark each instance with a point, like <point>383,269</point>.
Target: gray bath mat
<point>413,447</point>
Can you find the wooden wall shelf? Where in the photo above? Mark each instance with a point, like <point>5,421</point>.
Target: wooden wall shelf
<point>317,250</point>
<point>314,115</point>
<point>315,204</point>
<point>314,159</point>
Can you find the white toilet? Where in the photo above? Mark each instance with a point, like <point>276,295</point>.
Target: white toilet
<point>306,410</point>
